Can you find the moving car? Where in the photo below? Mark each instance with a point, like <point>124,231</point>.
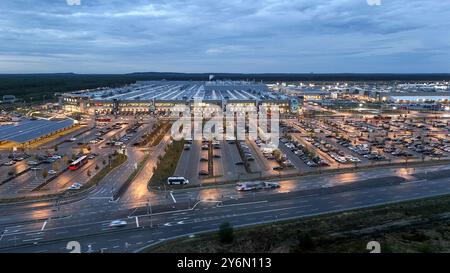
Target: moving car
<point>118,223</point>
<point>75,186</point>
<point>177,181</point>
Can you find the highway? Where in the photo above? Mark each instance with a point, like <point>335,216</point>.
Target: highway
<point>42,227</point>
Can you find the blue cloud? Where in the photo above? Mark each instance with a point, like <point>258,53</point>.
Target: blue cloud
<point>112,36</point>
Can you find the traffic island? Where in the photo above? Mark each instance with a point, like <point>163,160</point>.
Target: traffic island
<point>166,164</point>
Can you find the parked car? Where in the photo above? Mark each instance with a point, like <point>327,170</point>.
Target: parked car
<point>9,163</point>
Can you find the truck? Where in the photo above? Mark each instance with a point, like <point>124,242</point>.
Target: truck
<point>259,185</point>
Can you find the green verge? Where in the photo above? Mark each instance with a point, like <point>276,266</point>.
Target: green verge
<point>412,226</point>
<point>118,160</point>
<point>157,134</point>
<point>167,164</point>
<point>161,133</point>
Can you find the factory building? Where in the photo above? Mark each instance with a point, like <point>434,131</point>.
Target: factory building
<point>167,96</point>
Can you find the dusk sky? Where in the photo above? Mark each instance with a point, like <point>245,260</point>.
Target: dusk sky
<point>274,36</point>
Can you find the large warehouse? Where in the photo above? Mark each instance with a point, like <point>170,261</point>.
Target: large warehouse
<point>28,131</point>
<point>162,96</point>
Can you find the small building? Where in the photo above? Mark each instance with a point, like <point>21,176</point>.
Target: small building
<point>419,97</point>
<point>9,99</point>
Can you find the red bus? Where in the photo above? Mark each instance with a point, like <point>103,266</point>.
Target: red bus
<point>78,163</point>
<point>105,120</point>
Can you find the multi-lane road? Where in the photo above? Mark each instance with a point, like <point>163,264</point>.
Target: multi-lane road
<point>159,216</point>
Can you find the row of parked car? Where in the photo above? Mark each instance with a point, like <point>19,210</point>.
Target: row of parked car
<point>248,155</point>
<point>268,153</point>
<point>301,151</point>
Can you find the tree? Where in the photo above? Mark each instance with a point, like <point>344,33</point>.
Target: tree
<point>226,233</point>
<point>55,166</point>
<point>44,173</point>
<point>277,154</point>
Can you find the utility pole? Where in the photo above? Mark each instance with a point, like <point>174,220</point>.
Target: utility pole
<point>149,212</point>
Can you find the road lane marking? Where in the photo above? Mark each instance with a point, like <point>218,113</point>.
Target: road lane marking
<point>100,198</point>
<point>137,221</point>
<point>414,181</point>
<point>242,204</point>
<point>173,198</point>
<point>3,233</point>
<point>34,239</point>
<point>130,216</point>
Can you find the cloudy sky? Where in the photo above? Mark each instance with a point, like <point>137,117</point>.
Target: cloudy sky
<point>249,36</point>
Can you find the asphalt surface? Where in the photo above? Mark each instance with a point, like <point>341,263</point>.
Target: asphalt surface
<point>44,227</point>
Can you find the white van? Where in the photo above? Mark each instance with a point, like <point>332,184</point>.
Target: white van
<point>177,181</point>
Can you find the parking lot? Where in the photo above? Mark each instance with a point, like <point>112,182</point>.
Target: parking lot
<point>222,156</point>
<point>317,144</point>
<point>367,141</point>
<point>45,169</point>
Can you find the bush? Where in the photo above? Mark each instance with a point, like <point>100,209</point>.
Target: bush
<point>226,233</point>
<point>306,241</point>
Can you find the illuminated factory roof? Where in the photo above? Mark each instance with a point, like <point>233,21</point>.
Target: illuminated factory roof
<point>183,91</point>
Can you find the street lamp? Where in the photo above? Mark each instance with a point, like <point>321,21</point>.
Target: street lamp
<point>149,212</point>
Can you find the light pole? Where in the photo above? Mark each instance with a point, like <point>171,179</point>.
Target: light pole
<point>149,212</point>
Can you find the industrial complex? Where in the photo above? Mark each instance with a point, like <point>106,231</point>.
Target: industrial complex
<point>112,150</point>
<point>164,96</point>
